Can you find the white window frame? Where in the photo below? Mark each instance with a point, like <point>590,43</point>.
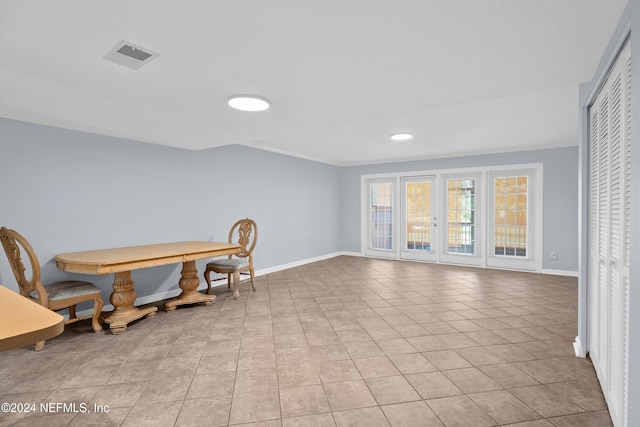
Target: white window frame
<point>482,211</point>
<point>395,203</point>
<point>533,260</point>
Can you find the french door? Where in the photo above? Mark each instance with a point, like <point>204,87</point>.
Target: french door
<point>419,218</point>
<point>461,230</point>
<point>474,217</point>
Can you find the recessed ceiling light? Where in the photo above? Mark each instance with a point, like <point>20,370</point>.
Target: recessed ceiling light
<point>248,103</point>
<point>401,136</point>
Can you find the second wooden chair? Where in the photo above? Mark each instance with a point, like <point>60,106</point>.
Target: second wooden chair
<point>245,233</point>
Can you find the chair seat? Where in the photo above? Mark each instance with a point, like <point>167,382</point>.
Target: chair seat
<point>228,264</point>
<point>67,289</point>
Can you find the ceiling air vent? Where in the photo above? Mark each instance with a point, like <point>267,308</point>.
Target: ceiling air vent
<point>130,55</point>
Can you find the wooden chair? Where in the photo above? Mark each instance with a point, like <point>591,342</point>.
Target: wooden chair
<point>245,233</point>
<point>56,296</point>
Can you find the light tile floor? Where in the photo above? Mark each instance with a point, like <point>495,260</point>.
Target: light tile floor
<point>342,342</point>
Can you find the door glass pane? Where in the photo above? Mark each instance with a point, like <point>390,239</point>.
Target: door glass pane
<point>511,206</point>
<point>461,216</point>
<point>418,213</point>
<point>381,209</point>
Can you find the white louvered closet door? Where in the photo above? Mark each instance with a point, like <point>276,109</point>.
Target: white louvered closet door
<point>609,236</point>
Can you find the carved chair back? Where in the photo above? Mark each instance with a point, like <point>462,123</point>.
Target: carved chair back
<point>245,233</point>
<point>11,242</point>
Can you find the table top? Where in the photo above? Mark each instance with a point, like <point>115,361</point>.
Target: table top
<point>106,261</point>
<point>24,322</point>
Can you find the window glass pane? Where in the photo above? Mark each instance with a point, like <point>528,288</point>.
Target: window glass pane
<point>461,216</point>
<point>418,216</point>
<point>522,184</point>
<point>381,208</point>
<point>511,207</point>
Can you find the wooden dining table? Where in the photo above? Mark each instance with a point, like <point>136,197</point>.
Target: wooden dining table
<point>121,261</point>
<point>24,322</point>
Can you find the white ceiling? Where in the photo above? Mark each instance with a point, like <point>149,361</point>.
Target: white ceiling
<point>464,76</point>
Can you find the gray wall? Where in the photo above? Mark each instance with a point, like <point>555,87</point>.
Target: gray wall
<point>70,191</point>
<point>560,204</point>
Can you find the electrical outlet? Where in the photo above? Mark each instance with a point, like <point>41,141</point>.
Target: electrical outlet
<point>553,255</point>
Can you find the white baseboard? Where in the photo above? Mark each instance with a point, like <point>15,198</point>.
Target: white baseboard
<point>578,348</point>
<point>148,299</point>
<point>351,253</point>
<point>568,273</point>
<point>297,263</point>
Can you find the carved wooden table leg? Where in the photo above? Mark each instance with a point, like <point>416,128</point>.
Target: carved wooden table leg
<point>189,283</point>
<point>122,298</point>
